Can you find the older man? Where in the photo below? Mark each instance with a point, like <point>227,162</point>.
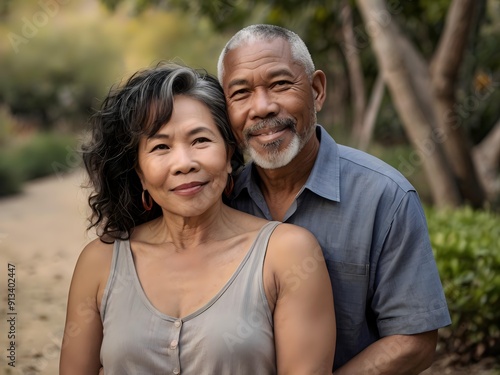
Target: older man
<point>367,217</point>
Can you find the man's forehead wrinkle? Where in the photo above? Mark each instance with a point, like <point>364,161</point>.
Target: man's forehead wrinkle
<point>267,59</point>
<point>255,57</point>
<point>268,48</point>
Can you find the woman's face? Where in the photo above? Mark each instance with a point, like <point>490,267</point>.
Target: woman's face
<point>185,165</point>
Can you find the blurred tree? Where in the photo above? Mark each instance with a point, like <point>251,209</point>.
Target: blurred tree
<point>424,95</point>
<point>4,8</point>
<point>61,67</point>
<point>57,74</point>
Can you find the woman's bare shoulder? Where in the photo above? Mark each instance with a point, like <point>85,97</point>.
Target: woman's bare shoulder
<point>96,257</point>
<point>97,250</point>
<point>92,269</point>
<point>291,246</point>
<point>287,237</point>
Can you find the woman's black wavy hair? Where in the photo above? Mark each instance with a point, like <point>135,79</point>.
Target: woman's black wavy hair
<point>139,108</point>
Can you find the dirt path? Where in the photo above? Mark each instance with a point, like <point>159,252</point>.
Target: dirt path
<point>42,232</point>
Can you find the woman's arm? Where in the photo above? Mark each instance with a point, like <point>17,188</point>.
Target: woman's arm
<point>82,339</point>
<point>299,289</point>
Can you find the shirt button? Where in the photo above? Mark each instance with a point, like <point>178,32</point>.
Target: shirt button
<point>177,323</point>
<point>173,344</point>
<point>176,371</point>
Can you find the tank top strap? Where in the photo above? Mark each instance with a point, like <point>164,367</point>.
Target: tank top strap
<point>119,273</point>
<point>110,282</point>
<point>251,277</point>
<point>259,250</point>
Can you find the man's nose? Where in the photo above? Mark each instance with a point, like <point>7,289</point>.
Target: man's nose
<point>263,104</point>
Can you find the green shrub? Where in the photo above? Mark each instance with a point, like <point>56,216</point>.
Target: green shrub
<point>10,177</point>
<point>7,125</point>
<point>57,75</point>
<point>466,244</point>
<point>45,154</point>
<point>39,155</point>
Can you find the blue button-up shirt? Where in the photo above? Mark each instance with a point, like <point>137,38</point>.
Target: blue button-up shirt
<point>371,227</point>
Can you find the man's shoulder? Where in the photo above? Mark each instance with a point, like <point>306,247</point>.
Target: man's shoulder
<point>356,163</point>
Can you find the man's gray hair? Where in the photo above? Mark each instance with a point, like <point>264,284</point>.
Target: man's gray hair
<point>300,53</point>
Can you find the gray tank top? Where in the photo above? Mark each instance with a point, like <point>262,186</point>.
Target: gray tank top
<point>231,334</point>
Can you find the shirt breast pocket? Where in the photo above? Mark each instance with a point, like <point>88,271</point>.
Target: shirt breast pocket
<point>350,287</point>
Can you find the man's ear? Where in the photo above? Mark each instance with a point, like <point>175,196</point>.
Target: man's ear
<point>319,89</point>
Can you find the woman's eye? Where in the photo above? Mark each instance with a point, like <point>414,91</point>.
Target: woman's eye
<point>201,140</point>
<point>160,147</point>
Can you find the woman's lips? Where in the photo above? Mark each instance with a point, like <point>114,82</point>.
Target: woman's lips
<point>189,188</point>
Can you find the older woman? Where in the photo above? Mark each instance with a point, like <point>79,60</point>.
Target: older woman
<point>178,282</point>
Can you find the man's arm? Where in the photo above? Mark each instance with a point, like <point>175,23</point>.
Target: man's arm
<point>397,354</point>
<point>408,299</point>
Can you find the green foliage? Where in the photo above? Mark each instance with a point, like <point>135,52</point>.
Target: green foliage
<point>433,10</point>
<point>10,178</point>
<point>478,97</point>
<point>63,84</point>
<point>58,71</point>
<point>466,244</point>
<point>45,154</point>
<point>37,156</point>
<point>6,125</point>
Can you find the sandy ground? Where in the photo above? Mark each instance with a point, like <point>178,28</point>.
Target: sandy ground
<point>42,232</point>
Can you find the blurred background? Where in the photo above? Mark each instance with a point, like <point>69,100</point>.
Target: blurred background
<point>413,82</point>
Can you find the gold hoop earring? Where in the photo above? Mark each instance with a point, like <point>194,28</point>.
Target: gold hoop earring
<point>229,185</point>
<point>148,205</point>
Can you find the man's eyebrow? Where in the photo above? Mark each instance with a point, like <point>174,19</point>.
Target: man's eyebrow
<point>272,74</point>
<point>237,82</point>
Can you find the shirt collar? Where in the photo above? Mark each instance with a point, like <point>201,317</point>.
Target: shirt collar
<point>324,179</point>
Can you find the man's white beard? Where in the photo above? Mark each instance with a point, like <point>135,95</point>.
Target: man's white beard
<point>274,158</point>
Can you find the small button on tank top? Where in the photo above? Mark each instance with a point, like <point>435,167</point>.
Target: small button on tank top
<point>231,334</point>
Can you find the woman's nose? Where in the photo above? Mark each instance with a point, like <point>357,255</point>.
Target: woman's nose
<point>184,161</point>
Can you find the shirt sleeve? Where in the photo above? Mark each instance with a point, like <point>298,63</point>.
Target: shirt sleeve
<point>408,297</point>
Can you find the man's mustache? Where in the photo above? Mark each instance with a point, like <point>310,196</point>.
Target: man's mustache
<point>271,124</point>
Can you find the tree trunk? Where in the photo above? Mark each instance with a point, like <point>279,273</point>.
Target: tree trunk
<point>444,73</point>
<point>406,96</point>
<point>371,113</point>
<point>334,113</point>
<point>354,70</point>
<point>487,157</point>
